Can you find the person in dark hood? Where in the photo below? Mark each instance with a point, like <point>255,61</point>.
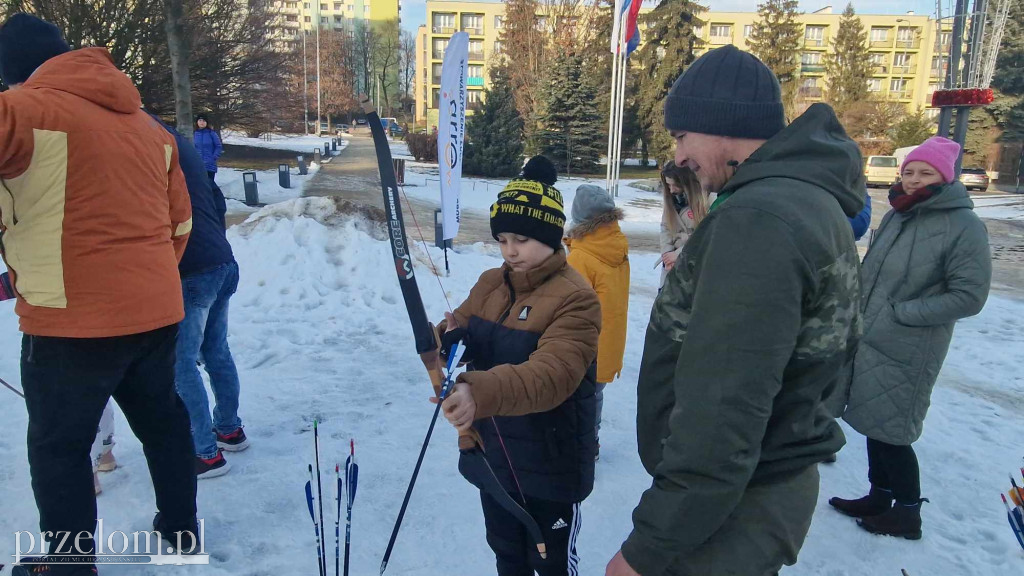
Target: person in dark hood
<point>750,332</point>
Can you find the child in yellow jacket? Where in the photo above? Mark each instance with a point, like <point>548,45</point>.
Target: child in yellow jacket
<point>599,251</point>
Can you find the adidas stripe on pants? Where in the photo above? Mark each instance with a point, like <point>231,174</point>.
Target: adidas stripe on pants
<point>516,554</point>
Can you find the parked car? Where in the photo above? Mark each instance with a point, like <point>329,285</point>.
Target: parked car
<point>974,178</point>
<point>343,129</point>
<point>360,121</point>
<point>881,170</point>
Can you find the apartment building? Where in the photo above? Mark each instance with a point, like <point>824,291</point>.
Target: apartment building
<point>304,15</point>
<point>909,53</point>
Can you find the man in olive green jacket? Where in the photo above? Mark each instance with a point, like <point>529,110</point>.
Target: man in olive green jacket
<point>749,334</point>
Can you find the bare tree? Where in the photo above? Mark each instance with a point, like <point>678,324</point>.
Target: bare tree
<point>407,65</point>
<point>178,46</point>
<point>386,59</point>
<point>336,78</point>
<point>366,43</point>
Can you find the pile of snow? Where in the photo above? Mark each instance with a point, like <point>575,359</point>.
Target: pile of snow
<point>320,331</point>
<point>268,187</point>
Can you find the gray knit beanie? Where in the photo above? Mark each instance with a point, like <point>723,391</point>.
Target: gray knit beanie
<point>726,92</point>
<point>590,201</point>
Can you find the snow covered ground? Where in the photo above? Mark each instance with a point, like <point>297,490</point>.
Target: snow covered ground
<point>319,330</point>
<point>303,144</point>
<point>1003,207</point>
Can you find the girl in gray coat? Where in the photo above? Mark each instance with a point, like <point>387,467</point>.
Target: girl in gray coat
<point>684,205</point>
<point>928,266</point>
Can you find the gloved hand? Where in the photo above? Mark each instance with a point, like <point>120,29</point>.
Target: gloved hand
<point>449,338</point>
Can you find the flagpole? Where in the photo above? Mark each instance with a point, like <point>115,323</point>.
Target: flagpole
<point>621,90</point>
<point>305,87</point>
<point>318,74</point>
<point>616,48</point>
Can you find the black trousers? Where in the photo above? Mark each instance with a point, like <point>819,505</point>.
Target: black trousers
<point>67,383</point>
<point>517,554</point>
<point>895,468</point>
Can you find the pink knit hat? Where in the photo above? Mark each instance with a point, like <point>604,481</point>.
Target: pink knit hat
<point>940,153</point>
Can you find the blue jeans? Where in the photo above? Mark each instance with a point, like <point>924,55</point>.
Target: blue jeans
<point>203,334</point>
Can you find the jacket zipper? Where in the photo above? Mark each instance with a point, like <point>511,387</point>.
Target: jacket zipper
<point>511,302</point>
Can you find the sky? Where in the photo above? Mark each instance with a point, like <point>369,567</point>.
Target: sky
<point>414,12</point>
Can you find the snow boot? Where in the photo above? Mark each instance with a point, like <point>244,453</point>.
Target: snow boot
<point>878,501</point>
<point>107,462</point>
<point>902,520</point>
<point>189,535</point>
<point>34,565</point>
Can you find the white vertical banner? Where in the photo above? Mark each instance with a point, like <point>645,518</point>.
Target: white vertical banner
<point>452,130</point>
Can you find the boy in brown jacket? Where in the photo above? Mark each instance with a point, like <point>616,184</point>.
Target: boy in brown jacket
<point>530,329</point>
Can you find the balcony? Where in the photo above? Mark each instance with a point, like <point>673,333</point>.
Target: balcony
<point>720,40</point>
<point>476,55</point>
<point>443,29</point>
<point>474,81</point>
<point>879,70</point>
<point>912,44</point>
<point>907,94</point>
<point>887,43</point>
<point>904,70</point>
<point>810,92</point>
<point>815,42</point>
<point>812,68</point>
<point>473,31</point>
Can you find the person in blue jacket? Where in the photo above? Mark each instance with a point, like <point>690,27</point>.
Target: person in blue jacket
<point>862,221</point>
<point>208,144</point>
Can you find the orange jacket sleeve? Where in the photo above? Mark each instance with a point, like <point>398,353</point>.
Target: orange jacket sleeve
<point>16,142</point>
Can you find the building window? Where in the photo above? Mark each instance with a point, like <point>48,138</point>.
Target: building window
<point>475,71</point>
<point>874,85</point>
<point>899,87</point>
<point>473,24</point>
<point>305,5</point>
<point>721,32</point>
<point>542,23</point>
<point>436,69</point>
<point>444,23</point>
<point>499,22</point>
<point>291,5</point>
<point>337,6</point>
<point>476,50</point>
<point>814,35</point>
<point>366,9</point>
<point>440,44</point>
<point>879,34</point>
<point>810,58</point>
<point>436,98</point>
<point>307,19</point>
<point>474,97</point>
<point>337,19</point>
<point>748,30</point>
<point>323,7</point>
<point>497,46</point>
<point>292,18</point>
<point>945,38</point>
<point>699,31</point>
<point>906,35</point>
<point>323,19</point>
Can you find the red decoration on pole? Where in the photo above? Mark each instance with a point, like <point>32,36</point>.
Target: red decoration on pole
<point>962,97</point>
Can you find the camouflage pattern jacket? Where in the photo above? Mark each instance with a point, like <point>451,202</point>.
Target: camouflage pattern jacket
<point>748,338</point>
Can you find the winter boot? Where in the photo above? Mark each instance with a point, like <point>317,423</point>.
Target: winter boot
<point>878,501</point>
<point>107,462</point>
<point>35,565</point>
<point>96,483</point>
<point>902,520</point>
<point>189,535</point>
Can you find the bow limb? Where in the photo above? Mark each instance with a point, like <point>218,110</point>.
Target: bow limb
<point>475,463</point>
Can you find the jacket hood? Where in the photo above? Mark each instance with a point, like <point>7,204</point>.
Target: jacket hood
<point>604,241</point>
<point>813,149</point>
<point>950,197</point>
<point>88,73</point>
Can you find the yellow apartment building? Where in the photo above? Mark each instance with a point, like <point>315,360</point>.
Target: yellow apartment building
<point>298,15</point>
<point>908,52</point>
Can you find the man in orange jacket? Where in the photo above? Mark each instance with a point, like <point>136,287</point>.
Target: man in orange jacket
<point>95,215</point>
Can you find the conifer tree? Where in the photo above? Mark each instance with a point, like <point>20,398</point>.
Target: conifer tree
<point>776,39</point>
<point>494,134</point>
<point>572,133</point>
<point>847,65</point>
